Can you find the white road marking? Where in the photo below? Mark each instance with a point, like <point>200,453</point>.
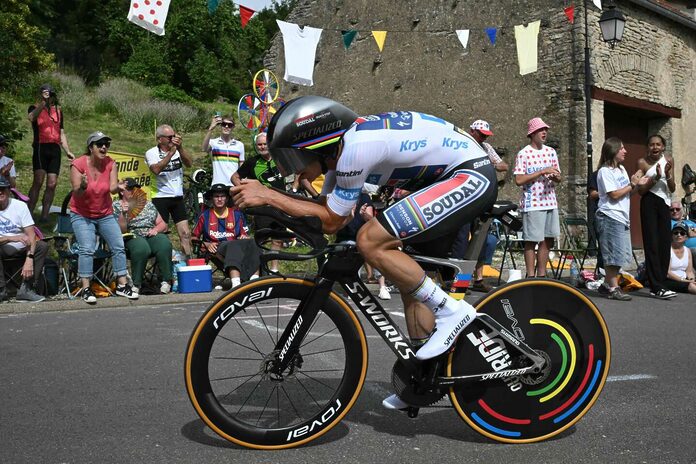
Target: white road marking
<point>622,378</point>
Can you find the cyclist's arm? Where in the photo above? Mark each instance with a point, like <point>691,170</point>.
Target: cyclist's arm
<point>252,193</point>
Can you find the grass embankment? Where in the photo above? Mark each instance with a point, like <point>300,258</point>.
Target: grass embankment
<point>128,113</point>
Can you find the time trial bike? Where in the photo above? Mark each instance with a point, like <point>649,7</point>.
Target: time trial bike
<point>279,361</point>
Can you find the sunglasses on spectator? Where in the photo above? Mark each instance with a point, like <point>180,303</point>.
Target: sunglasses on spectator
<point>678,232</point>
<point>227,124</point>
<point>102,143</point>
<point>674,209</point>
<point>168,136</point>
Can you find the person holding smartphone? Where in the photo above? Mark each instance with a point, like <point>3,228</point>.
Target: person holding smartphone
<point>227,153</point>
<point>46,119</point>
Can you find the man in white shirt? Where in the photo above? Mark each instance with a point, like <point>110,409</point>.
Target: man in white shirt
<point>166,162</point>
<point>18,240</point>
<point>537,171</point>
<point>227,154</point>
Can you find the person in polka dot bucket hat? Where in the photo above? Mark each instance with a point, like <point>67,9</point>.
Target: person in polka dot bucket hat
<point>537,171</point>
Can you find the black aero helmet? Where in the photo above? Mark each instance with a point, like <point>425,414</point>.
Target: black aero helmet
<point>307,129</point>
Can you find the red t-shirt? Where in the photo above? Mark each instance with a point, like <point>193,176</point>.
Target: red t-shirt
<point>96,201</point>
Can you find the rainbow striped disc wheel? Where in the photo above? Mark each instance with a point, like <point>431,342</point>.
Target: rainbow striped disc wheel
<point>565,328</point>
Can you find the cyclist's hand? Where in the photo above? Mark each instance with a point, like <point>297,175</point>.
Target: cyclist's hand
<point>249,193</point>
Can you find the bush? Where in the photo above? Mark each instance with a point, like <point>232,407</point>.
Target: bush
<point>73,95</point>
<point>204,74</point>
<point>170,93</point>
<point>137,111</point>
<point>149,64</point>
<point>9,122</point>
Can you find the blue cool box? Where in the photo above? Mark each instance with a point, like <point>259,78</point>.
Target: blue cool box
<point>195,279</point>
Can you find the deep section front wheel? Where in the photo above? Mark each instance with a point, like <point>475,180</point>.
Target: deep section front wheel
<point>562,325</point>
<point>232,352</point>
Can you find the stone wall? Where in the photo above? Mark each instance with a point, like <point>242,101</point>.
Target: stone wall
<point>423,67</point>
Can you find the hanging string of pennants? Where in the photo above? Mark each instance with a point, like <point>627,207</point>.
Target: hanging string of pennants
<point>300,43</point>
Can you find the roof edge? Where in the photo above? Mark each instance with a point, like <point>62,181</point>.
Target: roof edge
<point>666,12</point>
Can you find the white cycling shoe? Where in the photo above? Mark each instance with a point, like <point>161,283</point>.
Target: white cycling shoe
<point>448,325</point>
<point>394,402</point>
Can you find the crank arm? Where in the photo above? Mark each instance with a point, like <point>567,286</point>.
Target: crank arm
<point>464,379</point>
<point>519,344</point>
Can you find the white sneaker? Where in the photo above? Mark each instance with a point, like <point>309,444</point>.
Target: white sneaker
<point>394,402</point>
<point>254,276</point>
<point>384,293</point>
<point>448,325</point>
<point>135,289</point>
<point>165,288</point>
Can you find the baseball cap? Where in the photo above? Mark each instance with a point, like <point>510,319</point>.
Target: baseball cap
<point>131,183</point>
<point>3,140</point>
<point>96,137</point>
<point>680,225</point>
<point>4,183</point>
<point>48,87</point>
<point>482,126</point>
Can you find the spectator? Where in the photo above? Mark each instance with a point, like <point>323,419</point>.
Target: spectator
<point>166,162</point>
<point>94,178</point>
<point>676,212</point>
<point>680,277</point>
<point>656,196</point>
<point>613,220</point>
<point>263,169</point>
<point>46,119</point>
<point>7,169</point>
<point>227,153</point>
<point>592,205</point>
<point>149,239</point>
<point>480,130</point>
<point>18,240</point>
<point>222,230</point>
<point>537,171</point>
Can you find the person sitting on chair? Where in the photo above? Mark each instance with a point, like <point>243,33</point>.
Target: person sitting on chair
<point>221,230</point>
<point>138,215</point>
<point>18,240</point>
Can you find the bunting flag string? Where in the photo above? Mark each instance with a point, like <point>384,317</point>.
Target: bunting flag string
<point>463,35</point>
<point>212,6</point>
<point>245,14</point>
<point>491,32</point>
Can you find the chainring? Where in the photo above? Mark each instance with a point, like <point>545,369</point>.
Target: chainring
<point>406,386</point>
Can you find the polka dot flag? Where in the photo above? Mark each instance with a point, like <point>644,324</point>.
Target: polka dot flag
<point>149,14</point>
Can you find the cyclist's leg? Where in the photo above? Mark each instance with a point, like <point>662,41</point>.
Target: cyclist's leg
<point>436,211</point>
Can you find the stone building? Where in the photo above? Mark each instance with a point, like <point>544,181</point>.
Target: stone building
<point>644,85</point>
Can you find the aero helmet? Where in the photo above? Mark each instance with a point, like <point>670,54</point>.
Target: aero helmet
<point>307,129</point>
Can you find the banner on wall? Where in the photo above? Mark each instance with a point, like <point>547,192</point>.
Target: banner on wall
<point>134,166</point>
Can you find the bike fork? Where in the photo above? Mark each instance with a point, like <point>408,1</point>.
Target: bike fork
<point>300,323</point>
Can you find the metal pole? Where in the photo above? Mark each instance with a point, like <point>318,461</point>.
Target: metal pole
<point>588,102</point>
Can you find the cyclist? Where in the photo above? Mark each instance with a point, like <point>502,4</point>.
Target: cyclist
<point>449,175</point>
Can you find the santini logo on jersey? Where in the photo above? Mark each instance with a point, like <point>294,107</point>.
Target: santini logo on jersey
<point>444,198</point>
<point>413,145</point>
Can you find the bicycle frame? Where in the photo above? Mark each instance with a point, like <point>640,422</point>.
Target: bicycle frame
<point>345,261</point>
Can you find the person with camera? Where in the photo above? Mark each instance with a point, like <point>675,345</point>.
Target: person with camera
<point>226,153</point>
<point>167,161</point>
<point>46,119</point>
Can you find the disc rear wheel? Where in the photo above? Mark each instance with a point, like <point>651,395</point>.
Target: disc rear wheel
<point>560,324</point>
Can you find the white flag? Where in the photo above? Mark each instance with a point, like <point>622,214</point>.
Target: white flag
<point>149,14</point>
<point>597,3</point>
<point>463,35</point>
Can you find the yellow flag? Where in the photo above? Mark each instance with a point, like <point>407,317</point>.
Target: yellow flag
<point>380,37</point>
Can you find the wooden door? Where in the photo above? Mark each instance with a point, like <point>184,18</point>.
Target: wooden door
<point>631,126</point>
